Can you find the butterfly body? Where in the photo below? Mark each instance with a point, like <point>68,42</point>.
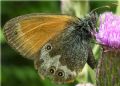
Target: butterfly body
<point>58,44</point>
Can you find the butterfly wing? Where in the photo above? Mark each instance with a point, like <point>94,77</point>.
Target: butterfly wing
<point>28,33</point>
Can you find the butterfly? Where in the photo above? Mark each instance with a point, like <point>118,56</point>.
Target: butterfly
<point>59,45</point>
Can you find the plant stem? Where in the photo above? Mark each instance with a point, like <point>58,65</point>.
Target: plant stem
<point>108,70</point>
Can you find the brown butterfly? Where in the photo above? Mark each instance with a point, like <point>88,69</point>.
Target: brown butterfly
<point>58,44</point>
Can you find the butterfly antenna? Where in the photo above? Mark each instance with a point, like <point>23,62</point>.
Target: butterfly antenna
<point>106,6</point>
<point>99,8</point>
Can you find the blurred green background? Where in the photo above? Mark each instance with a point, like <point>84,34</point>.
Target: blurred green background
<point>18,71</point>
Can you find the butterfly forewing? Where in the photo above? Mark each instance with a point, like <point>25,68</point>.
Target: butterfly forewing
<point>28,33</point>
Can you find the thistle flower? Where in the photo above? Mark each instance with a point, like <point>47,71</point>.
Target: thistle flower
<point>109,30</point>
<point>108,70</point>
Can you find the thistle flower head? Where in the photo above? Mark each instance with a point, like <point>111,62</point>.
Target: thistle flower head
<point>109,30</point>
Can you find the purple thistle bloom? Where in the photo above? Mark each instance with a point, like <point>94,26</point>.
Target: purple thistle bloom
<point>109,30</point>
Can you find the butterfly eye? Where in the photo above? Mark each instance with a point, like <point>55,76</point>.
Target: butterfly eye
<point>52,70</point>
<point>60,74</point>
<point>48,47</point>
